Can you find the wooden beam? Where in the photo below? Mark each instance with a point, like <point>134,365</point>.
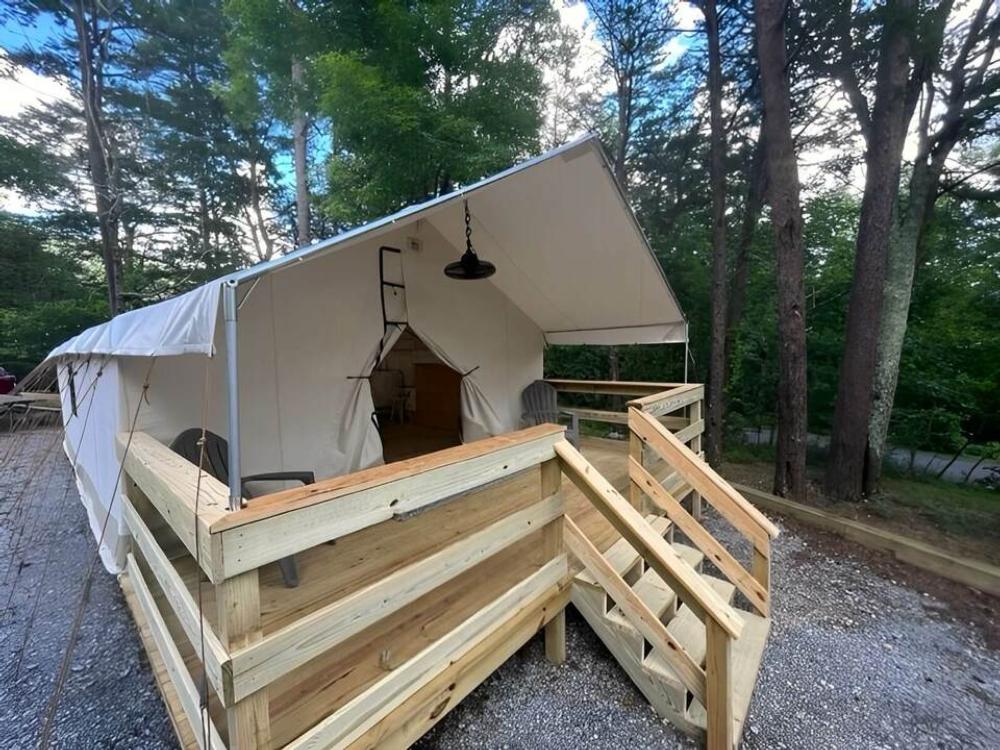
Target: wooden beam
<point>180,600</point>
<point>635,610</point>
<point>665,402</point>
<point>721,731</point>
<point>703,478</point>
<point>279,525</point>
<point>186,690</point>
<point>730,567</point>
<point>690,432</point>
<point>361,713</point>
<point>976,574</point>
<point>555,629</point>
<point>426,707</point>
<point>171,483</point>
<point>610,387</point>
<point>685,580</point>
<point>238,602</point>
<point>278,653</point>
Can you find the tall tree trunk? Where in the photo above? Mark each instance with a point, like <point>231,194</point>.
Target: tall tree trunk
<point>101,157</point>
<point>719,297</point>
<point>900,271</point>
<point>845,474</point>
<point>786,219</point>
<point>300,127</point>
<point>933,152</point>
<point>753,204</point>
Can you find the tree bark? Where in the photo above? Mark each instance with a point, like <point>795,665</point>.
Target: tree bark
<point>786,218</point>
<point>845,474</point>
<point>751,215</point>
<point>101,154</point>
<point>928,166</point>
<point>300,127</point>
<point>719,296</point>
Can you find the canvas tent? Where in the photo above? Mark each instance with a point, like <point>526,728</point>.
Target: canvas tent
<point>572,268</point>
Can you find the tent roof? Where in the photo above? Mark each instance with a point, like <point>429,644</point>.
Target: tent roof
<point>568,250</point>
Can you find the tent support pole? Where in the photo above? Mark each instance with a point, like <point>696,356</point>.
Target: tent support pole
<point>229,310</point>
<point>687,344</point>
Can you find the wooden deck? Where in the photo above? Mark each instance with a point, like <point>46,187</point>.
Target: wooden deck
<point>418,578</point>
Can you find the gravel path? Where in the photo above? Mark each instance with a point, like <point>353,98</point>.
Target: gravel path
<point>864,653</point>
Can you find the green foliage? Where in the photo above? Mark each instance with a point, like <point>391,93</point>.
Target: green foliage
<point>430,96</point>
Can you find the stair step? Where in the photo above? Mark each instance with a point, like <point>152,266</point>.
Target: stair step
<point>747,653</point>
<point>621,555</point>
<point>655,594</point>
<point>689,631</point>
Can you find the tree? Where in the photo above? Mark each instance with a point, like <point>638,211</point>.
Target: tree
<point>883,128</point>
<point>786,219</point>
<point>428,97</point>
<point>270,53</point>
<point>720,271</point>
<point>957,103</point>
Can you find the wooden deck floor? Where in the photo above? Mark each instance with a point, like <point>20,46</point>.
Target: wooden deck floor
<point>610,458</point>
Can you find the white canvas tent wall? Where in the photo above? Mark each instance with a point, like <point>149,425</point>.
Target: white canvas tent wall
<point>572,268</point>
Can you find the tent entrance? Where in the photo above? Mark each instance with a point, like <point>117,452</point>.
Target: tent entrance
<point>418,400</point>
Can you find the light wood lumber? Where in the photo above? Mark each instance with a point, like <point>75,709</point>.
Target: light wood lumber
<point>691,588</point>
<point>552,539</point>
<point>355,718</point>
<point>610,387</point>
<point>426,707</point>
<point>187,691</point>
<point>755,591</point>
<point>712,487</point>
<point>278,653</point>
<point>720,730</point>
<point>668,401</point>
<point>171,484</point>
<point>180,600</point>
<point>237,601</point>
<point>635,610</point>
<point>345,506</point>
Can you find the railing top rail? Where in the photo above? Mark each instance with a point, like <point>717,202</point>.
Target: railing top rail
<point>267,506</point>
<point>610,387</point>
<point>702,477</point>
<point>669,399</point>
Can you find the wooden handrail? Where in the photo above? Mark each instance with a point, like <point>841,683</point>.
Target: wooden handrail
<point>669,400</point>
<point>635,609</point>
<point>692,589</point>
<point>699,536</point>
<point>731,504</point>
<point>610,387</point>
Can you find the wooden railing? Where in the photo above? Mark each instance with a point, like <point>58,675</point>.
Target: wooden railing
<point>411,538</point>
<point>654,445</point>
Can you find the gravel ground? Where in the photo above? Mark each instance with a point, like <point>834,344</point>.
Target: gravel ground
<point>864,652</point>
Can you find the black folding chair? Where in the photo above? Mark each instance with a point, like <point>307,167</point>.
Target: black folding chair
<point>217,465</point>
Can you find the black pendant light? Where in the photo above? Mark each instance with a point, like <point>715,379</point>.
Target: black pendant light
<point>469,266</point>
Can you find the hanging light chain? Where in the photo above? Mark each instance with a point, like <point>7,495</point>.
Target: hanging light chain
<point>468,229</point>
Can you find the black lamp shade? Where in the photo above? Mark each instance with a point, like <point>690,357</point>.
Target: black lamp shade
<point>469,267</point>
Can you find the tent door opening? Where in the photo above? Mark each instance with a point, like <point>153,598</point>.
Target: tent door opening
<point>417,399</point>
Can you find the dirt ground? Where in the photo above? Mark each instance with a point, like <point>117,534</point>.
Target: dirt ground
<point>864,652</point>
<point>924,510</point>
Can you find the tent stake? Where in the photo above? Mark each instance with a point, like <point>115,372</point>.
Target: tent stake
<point>229,310</point>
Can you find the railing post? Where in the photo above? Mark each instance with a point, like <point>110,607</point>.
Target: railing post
<point>635,450</point>
<point>555,629</point>
<point>760,565</point>
<point>694,414</point>
<point>238,605</point>
<point>719,688</point>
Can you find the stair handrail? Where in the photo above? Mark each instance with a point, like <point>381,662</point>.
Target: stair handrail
<point>702,477</point>
<point>691,588</point>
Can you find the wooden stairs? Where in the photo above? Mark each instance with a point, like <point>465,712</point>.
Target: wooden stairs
<point>687,621</point>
